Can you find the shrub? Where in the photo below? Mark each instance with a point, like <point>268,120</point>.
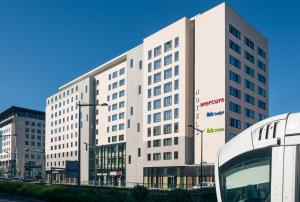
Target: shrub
<point>139,193</point>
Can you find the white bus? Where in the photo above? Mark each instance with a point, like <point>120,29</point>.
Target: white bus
<point>262,163</point>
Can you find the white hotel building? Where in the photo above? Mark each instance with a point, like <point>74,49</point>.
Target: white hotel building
<point>210,71</point>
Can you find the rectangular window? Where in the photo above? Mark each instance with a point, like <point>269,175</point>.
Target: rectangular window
<point>149,54</point>
<point>131,111</point>
<point>156,143</point>
<point>156,157</point>
<point>249,71</point>
<point>168,60</point>
<point>261,117</point>
<point>157,117</point>
<point>157,104</point>
<point>121,93</point>
<point>234,32</point>
<point>176,155</point>
<point>121,104</point>
<point>249,43</point>
<point>176,84</point>
<point>128,123</point>
<point>149,106</point>
<point>131,62</point>
<point>167,115</point>
<point>149,118</point>
<point>235,62</point>
<point>176,56</point>
<point>261,52</point>
<point>168,73</point>
<point>235,47</point>
<point>148,157</point>
<point>138,127</point>
<point>121,82</point>
<point>261,65</point>
<point>261,91</point>
<point>168,142</point>
<point>176,127</point>
<point>149,67</point>
<point>261,105</point>
<point>122,71</point>
<point>234,92</point>
<point>168,46</point>
<point>176,113</point>
<point>176,98</point>
<point>249,113</point>
<point>235,123</point>
<point>176,70</point>
<point>167,87</point>
<point>149,92</point>
<point>167,101</point>
<point>139,89</point>
<point>167,155</point>
<point>249,99</point>
<point>149,80</point>
<point>176,42</point>
<point>149,132</point>
<point>248,56</point>
<point>149,144</point>
<point>157,51</point>
<point>156,130</point>
<point>156,90</point>
<point>167,128</point>
<point>157,77</point>
<point>234,77</point>
<point>157,64</point>
<point>261,78</point>
<point>249,85</point>
<point>234,107</point>
<point>139,152</point>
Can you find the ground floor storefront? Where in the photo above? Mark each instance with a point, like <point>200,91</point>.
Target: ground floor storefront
<point>184,177</point>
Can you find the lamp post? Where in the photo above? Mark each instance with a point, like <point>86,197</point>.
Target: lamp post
<point>201,163</point>
<point>79,104</point>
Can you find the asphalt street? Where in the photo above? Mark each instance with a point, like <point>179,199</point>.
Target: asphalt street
<point>11,198</point>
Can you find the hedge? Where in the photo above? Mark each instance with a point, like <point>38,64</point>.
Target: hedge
<point>63,193</point>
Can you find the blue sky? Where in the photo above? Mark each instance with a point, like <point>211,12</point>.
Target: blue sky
<point>44,44</point>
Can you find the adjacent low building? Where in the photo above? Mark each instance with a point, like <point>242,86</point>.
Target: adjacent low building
<point>22,143</point>
<point>210,71</point>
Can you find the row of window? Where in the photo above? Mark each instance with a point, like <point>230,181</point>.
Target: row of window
<point>27,123</point>
<point>167,47</point>
<point>167,116</point>
<point>237,63</point>
<point>62,146</point>
<point>237,78</point>
<point>114,85</point>
<point>167,61</point>
<point>235,123</point>
<point>64,94</point>
<point>167,102</point>
<point>167,129</point>
<point>167,88</point>
<point>167,74</point>
<point>166,156</point>
<point>115,74</point>
<point>166,142</point>
<point>63,154</point>
<point>248,98</point>
<point>237,109</point>
<point>235,32</point>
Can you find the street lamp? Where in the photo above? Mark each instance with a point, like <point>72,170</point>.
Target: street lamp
<point>201,163</point>
<point>79,129</point>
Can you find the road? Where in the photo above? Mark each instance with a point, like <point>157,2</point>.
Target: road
<point>10,198</point>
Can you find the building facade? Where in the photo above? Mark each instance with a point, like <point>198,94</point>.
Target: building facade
<point>209,71</point>
<point>22,142</point>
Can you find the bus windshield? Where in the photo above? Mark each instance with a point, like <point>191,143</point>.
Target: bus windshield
<point>246,179</point>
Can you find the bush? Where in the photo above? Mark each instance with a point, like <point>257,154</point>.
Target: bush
<point>139,193</point>
<point>63,193</point>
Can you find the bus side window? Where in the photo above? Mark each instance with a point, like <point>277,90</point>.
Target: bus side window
<point>260,133</point>
<point>267,131</point>
<point>274,130</point>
